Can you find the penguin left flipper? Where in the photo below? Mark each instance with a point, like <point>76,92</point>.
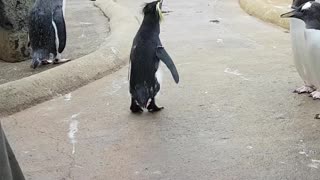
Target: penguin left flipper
<point>166,59</point>
<point>58,19</point>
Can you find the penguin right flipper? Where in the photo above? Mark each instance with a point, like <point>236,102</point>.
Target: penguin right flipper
<point>166,59</point>
<point>58,19</point>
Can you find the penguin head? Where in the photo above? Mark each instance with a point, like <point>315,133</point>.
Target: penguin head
<point>308,12</point>
<point>297,3</point>
<point>154,9</point>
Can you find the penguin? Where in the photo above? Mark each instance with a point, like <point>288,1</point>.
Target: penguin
<point>297,27</point>
<point>145,56</point>
<point>47,32</point>
<point>310,14</point>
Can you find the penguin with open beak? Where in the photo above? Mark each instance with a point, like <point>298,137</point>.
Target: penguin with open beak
<point>309,13</point>
<point>47,32</point>
<point>297,27</point>
<point>146,53</point>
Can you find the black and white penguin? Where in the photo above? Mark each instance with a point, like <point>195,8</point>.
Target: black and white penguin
<point>47,32</point>
<point>297,28</point>
<point>310,14</point>
<point>146,53</point>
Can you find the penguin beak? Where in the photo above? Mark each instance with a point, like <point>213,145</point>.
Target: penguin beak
<point>293,14</point>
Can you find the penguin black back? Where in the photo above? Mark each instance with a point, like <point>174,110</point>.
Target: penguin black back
<point>47,30</point>
<point>41,31</point>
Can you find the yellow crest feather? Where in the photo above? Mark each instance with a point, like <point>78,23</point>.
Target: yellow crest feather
<point>159,11</point>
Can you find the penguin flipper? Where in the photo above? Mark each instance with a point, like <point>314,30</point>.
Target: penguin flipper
<point>58,19</point>
<point>166,59</point>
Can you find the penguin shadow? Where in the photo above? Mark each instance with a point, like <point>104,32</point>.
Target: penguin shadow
<point>144,111</point>
<point>39,69</point>
<point>145,115</point>
<point>46,66</point>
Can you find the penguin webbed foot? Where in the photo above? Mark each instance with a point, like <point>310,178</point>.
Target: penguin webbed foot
<point>46,62</point>
<point>315,95</point>
<point>135,108</point>
<point>304,89</point>
<point>60,61</point>
<point>153,107</point>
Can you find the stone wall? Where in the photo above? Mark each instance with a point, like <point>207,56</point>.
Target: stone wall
<point>14,30</point>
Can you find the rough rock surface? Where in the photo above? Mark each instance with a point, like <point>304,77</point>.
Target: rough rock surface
<point>13,30</point>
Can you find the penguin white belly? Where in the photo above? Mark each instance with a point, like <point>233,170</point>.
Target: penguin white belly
<point>297,28</point>
<point>312,37</point>
<point>159,76</point>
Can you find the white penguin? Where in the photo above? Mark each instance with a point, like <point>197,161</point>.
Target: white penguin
<point>297,27</point>
<point>310,14</point>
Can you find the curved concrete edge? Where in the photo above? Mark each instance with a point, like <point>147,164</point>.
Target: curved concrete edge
<point>111,55</point>
<point>265,11</point>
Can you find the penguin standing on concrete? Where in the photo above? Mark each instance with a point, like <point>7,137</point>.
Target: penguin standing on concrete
<point>146,53</point>
<point>310,14</point>
<point>297,28</point>
<point>47,32</point>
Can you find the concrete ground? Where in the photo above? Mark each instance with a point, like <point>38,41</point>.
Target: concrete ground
<point>87,29</point>
<point>233,115</point>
